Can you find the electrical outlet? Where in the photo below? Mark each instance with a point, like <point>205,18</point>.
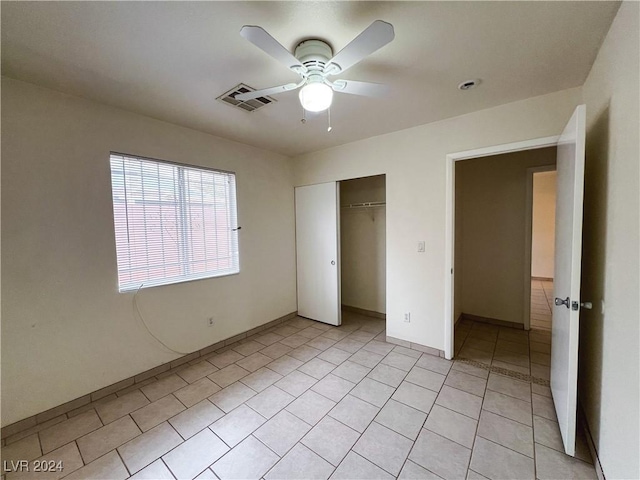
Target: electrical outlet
<point>210,322</point>
<point>421,247</point>
<point>407,317</point>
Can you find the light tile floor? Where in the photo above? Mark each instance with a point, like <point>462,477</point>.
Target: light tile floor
<point>541,304</point>
<point>306,400</point>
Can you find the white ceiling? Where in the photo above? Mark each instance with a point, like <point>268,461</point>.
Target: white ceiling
<point>170,60</point>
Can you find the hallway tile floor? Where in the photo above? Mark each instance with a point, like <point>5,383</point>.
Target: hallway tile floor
<point>307,400</point>
<point>541,304</point>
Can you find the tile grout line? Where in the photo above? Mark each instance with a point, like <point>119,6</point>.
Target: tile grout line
<point>510,449</point>
<point>459,413</point>
<point>167,467</point>
<point>136,423</point>
<point>422,427</point>
<point>39,445</point>
<point>122,460</point>
<point>78,446</point>
<point>221,439</point>
<point>475,436</point>
<point>533,429</point>
<point>363,458</point>
<point>511,396</point>
<point>84,463</point>
<point>502,416</point>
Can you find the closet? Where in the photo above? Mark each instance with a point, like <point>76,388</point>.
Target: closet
<point>363,244</point>
<point>340,249</point>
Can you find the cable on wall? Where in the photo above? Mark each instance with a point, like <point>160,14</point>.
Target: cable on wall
<point>137,309</point>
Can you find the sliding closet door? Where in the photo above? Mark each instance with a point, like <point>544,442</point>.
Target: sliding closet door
<point>317,251</point>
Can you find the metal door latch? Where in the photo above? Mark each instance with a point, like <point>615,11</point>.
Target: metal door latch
<point>574,305</point>
<point>587,305</point>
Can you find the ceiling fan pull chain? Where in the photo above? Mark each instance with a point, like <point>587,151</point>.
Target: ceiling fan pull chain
<point>329,119</point>
<point>304,116</point>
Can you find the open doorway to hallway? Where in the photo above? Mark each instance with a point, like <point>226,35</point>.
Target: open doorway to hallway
<point>562,369</point>
<point>504,238</point>
<point>542,189</point>
<point>504,262</point>
<point>504,235</point>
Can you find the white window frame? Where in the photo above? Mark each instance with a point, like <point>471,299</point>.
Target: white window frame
<point>180,248</point>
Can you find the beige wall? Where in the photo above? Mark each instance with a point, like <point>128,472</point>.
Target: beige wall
<point>491,204</point>
<point>66,330</point>
<point>543,224</point>
<point>414,162</point>
<point>362,244</point>
<point>609,368</point>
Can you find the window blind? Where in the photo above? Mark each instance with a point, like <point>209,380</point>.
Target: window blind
<point>173,223</point>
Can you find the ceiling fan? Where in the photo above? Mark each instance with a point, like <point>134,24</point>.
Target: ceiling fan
<point>314,61</point>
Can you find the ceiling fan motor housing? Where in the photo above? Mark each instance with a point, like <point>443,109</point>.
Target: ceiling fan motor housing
<point>313,54</point>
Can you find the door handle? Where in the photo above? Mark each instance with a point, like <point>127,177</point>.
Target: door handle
<point>564,302</point>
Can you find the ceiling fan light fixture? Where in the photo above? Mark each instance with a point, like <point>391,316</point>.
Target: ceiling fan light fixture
<point>316,97</point>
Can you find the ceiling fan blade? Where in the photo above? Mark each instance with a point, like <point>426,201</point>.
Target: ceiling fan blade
<point>265,42</point>
<point>374,37</point>
<point>366,89</point>
<point>243,97</point>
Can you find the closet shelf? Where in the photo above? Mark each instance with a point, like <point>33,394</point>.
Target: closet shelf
<point>364,205</point>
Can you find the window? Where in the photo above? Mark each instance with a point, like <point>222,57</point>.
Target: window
<point>173,223</point>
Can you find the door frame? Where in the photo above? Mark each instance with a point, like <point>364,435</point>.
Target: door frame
<point>449,273</point>
<point>528,240</point>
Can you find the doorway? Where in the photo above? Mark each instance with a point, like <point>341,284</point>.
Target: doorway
<point>493,239</point>
<point>542,188</point>
<point>567,264</point>
<point>451,276</point>
<point>363,246</point>
<point>504,246</point>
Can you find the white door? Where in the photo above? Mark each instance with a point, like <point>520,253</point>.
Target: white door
<point>568,255</point>
<point>317,252</point>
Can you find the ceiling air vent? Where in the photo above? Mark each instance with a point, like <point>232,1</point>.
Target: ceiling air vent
<point>249,105</point>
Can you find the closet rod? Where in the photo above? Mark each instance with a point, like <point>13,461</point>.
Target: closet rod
<point>365,205</point>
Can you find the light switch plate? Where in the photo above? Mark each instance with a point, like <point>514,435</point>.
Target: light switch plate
<point>421,247</point>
